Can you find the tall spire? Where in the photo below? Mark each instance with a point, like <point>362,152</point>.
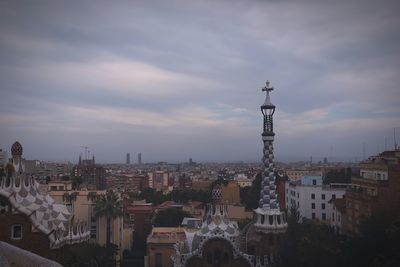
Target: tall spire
<point>269,216</point>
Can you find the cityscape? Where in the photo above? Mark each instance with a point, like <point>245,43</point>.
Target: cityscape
<point>199,133</point>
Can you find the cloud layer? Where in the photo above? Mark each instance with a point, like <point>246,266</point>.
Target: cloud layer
<point>179,79</point>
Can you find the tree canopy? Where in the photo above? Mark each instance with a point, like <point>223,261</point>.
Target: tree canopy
<point>309,243</point>
<point>109,206</point>
<point>179,196</point>
<point>250,195</point>
<point>88,255</point>
<point>171,217</point>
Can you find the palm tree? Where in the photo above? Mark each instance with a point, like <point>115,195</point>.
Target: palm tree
<point>69,198</point>
<point>92,196</point>
<point>109,206</point>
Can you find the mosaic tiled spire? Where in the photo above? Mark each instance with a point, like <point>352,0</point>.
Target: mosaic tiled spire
<point>268,198</point>
<point>269,217</point>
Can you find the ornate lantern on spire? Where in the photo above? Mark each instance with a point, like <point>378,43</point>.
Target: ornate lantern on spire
<point>268,110</point>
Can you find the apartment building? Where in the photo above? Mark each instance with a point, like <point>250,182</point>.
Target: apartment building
<point>312,198</point>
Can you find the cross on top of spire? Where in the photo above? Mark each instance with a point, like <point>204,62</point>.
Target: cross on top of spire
<point>267,88</point>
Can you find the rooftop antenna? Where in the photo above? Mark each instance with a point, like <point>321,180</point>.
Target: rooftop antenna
<point>363,147</point>
<point>385,143</point>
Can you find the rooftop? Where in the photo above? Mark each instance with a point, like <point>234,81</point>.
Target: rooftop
<point>166,235</point>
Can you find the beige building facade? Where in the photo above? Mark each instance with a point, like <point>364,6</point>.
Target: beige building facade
<point>160,245</point>
<point>81,204</point>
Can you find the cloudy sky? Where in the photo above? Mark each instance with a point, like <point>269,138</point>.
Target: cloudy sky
<point>180,79</point>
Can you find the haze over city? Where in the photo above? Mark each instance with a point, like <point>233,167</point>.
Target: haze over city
<point>182,79</point>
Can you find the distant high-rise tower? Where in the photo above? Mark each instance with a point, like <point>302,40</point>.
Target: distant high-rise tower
<point>139,158</point>
<point>128,158</point>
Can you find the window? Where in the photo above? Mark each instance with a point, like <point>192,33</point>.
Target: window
<point>323,216</point>
<point>313,215</point>
<point>16,231</point>
<point>298,204</point>
<point>297,195</point>
<point>333,217</point>
<point>323,206</point>
<point>158,260</point>
<point>333,196</point>
<point>314,182</point>
<point>323,196</point>
<point>313,206</point>
<point>312,196</point>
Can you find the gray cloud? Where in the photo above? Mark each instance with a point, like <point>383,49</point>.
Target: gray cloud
<point>179,79</point>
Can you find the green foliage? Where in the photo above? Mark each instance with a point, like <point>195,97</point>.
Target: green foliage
<point>76,182</point>
<point>153,196</point>
<point>250,196</point>
<point>242,223</point>
<point>92,196</point>
<point>171,217</point>
<point>377,243</point>
<point>184,196</point>
<point>109,206</point>
<point>338,176</point>
<point>88,255</point>
<point>70,197</point>
<point>219,181</point>
<point>309,243</point>
<point>179,196</point>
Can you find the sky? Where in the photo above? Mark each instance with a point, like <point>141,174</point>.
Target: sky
<point>182,79</point>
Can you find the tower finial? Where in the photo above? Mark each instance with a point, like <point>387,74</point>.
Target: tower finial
<point>267,88</point>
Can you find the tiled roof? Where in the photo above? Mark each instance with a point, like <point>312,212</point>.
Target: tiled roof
<point>140,208</point>
<point>50,218</point>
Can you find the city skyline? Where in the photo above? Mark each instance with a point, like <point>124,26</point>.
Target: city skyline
<point>177,80</point>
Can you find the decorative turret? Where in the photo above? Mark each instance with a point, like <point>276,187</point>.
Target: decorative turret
<point>269,217</point>
<point>16,149</point>
<point>216,194</point>
<point>16,152</point>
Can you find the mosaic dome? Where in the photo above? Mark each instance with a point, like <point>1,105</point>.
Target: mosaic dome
<point>16,149</point>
